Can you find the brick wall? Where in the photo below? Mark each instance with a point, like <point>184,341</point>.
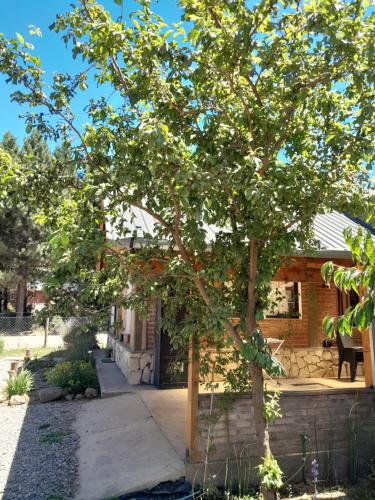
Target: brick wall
<point>321,416</point>
<point>296,331</point>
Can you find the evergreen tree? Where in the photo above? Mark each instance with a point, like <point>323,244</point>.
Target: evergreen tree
<point>21,239</point>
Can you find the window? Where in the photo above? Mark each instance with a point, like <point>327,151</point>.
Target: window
<point>284,300</point>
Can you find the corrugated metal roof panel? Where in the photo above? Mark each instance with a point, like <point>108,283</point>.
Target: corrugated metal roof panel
<point>328,230</point>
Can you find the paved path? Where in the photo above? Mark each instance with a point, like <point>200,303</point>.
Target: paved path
<point>111,380</point>
<point>122,448</point>
<point>169,409</point>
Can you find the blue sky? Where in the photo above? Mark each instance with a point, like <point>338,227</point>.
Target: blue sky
<point>17,15</point>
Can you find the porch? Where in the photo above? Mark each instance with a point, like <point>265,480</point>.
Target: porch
<point>169,407</point>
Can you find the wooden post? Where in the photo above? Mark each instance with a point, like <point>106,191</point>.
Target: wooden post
<point>192,406</point>
<point>14,367</point>
<point>46,328</point>
<point>367,358</point>
<point>372,350</point>
<point>28,354</point>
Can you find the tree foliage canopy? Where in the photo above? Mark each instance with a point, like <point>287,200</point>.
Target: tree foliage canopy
<point>246,119</point>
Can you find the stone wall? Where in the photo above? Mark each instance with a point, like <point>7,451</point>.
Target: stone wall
<point>313,362</point>
<point>137,366</point>
<point>320,418</point>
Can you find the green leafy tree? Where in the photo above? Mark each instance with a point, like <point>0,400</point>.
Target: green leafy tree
<point>360,279</point>
<point>21,238</point>
<point>246,119</point>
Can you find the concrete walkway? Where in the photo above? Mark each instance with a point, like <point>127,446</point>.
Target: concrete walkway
<point>111,380</point>
<point>169,409</point>
<point>122,448</point>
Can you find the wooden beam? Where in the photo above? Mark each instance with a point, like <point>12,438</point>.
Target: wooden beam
<point>372,350</point>
<point>367,358</point>
<point>192,406</point>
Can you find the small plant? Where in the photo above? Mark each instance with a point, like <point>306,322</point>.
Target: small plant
<point>353,444</point>
<point>81,339</point>
<point>44,426</point>
<point>73,376</point>
<point>19,384</point>
<point>270,474</point>
<point>271,408</point>
<point>54,437</point>
<point>315,474</point>
<point>2,345</point>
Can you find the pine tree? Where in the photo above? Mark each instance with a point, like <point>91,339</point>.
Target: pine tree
<point>21,239</point>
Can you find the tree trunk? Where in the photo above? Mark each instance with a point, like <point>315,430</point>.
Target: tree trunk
<point>21,296</point>
<point>5,299</point>
<point>261,426</point>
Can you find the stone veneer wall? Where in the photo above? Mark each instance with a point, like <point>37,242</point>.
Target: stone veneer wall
<point>137,366</point>
<point>313,362</point>
<point>321,416</point>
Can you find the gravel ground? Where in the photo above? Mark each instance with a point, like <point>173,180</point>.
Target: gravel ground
<point>38,450</point>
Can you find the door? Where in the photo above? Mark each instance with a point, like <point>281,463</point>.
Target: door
<point>171,368</point>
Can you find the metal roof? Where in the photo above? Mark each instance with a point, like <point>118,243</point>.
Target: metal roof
<point>328,230</point>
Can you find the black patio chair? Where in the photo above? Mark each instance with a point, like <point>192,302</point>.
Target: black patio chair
<point>348,352</point>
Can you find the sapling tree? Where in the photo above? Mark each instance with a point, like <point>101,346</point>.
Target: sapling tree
<point>360,279</point>
<point>231,129</point>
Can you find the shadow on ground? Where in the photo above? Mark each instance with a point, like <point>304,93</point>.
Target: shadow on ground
<point>38,446</point>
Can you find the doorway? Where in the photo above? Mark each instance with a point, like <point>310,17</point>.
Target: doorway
<point>171,367</point>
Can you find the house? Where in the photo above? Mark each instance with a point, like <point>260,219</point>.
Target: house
<point>142,350</point>
<point>316,407</point>
<point>35,298</point>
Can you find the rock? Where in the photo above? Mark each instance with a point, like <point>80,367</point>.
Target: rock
<point>327,355</point>
<point>18,400</point>
<point>304,373</point>
<point>144,361</point>
<point>3,397</point>
<point>69,397</point>
<point>146,374</point>
<point>133,363</point>
<point>50,394</point>
<point>314,359</point>
<point>79,396</point>
<point>90,392</point>
<point>294,371</point>
<point>134,377</point>
<point>301,363</point>
<point>360,370</point>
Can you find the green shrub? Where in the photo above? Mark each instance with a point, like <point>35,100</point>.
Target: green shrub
<point>2,345</point>
<point>73,376</point>
<point>20,384</point>
<point>80,339</point>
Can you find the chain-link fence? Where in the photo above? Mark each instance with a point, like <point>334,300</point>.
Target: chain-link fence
<point>19,325</point>
<point>32,331</point>
<point>31,325</point>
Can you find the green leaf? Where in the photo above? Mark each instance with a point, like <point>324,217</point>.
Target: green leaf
<point>20,38</point>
